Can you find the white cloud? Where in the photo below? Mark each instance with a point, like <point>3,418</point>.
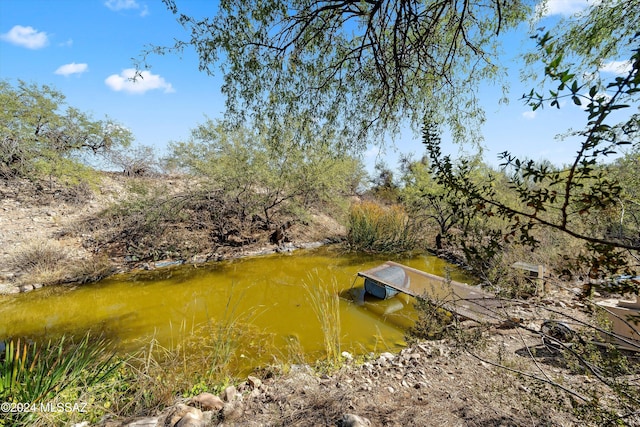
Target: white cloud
<point>121,4</point>
<point>144,82</point>
<point>73,68</point>
<point>68,43</point>
<point>616,67</point>
<point>561,7</point>
<point>372,152</point>
<point>117,5</point>
<point>27,37</point>
<point>529,115</point>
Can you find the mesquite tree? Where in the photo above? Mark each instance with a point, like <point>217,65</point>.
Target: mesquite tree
<point>568,199</point>
<point>359,67</point>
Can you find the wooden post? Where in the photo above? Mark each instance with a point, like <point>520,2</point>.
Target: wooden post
<point>535,271</point>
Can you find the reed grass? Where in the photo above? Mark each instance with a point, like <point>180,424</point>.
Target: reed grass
<point>201,356</point>
<point>381,229</point>
<point>325,302</point>
<point>35,373</point>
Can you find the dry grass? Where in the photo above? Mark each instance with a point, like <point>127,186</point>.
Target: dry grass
<point>325,301</point>
<point>49,262</point>
<point>91,270</point>
<point>41,261</point>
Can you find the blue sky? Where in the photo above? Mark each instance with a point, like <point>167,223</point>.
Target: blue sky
<point>85,49</point>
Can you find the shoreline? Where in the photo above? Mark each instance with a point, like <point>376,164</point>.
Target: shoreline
<point>8,288</point>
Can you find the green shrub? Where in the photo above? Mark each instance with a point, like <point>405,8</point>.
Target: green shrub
<point>433,321</point>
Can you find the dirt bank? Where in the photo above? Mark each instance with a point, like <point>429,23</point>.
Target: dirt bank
<point>69,220</point>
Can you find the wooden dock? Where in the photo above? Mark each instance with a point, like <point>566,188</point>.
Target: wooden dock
<point>467,301</point>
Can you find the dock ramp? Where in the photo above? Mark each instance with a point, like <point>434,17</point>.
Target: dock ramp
<point>467,301</point>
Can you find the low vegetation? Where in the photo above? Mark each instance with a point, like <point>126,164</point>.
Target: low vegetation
<point>47,262</point>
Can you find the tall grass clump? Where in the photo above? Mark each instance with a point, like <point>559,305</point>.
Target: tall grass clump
<point>325,302</point>
<point>41,261</point>
<point>57,372</point>
<point>50,263</point>
<point>202,356</point>
<point>377,228</point>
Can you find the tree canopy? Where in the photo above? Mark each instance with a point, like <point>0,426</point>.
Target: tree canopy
<point>260,175</point>
<point>362,67</point>
<point>38,134</point>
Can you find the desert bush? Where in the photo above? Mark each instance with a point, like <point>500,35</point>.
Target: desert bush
<point>433,321</point>
<point>47,262</point>
<point>91,270</point>
<point>377,228</point>
<point>264,173</point>
<point>152,223</point>
<point>134,161</point>
<point>41,255</point>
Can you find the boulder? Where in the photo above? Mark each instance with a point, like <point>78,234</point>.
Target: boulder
<point>232,411</point>
<point>192,419</point>
<point>254,382</point>
<point>180,411</point>
<point>207,402</point>
<point>352,420</point>
<point>229,394</point>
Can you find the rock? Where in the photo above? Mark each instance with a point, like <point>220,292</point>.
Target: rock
<point>178,412</point>
<point>352,420</point>
<point>143,422</point>
<point>232,411</point>
<point>254,382</point>
<point>208,402</point>
<point>387,356</point>
<point>229,394</point>
<point>168,263</point>
<point>346,355</point>
<point>192,419</point>
<point>207,417</point>
<point>7,289</point>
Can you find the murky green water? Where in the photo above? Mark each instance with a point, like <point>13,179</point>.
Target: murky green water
<point>269,293</point>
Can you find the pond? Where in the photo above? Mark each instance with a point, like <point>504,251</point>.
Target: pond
<point>268,299</point>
